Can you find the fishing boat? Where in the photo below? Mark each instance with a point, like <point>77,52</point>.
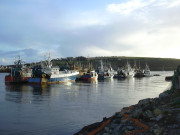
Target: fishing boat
<point>120,74</point>
<point>107,73</point>
<point>19,74</point>
<point>50,74</point>
<point>90,76</point>
<point>147,71</point>
<point>128,71</point>
<point>139,73</point>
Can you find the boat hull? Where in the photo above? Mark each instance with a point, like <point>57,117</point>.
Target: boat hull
<point>12,79</point>
<point>129,74</point>
<point>62,79</point>
<point>34,80</point>
<point>120,77</point>
<point>90,78</point>
<point>53,79</point>
<point>147,74</point>
<point>139,75</point>
<point>100,77</point>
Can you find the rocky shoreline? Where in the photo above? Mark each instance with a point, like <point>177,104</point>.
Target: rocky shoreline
<point>151,116</point>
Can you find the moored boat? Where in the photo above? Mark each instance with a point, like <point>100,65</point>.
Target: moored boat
<point>105,74</point>
<point>50,74</point>
<point>128,71</point>
<point>90,76</point>
<point>120,74</point>
<point>147,71</point>
<point>19,74</point>
<point>139,73</point>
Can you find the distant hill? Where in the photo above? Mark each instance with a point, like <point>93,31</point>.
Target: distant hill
<point>156,64</point>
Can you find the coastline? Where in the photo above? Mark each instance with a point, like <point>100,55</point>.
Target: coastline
<point>151,116</point>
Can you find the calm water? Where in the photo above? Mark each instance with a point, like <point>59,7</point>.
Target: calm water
<point>63,109</point>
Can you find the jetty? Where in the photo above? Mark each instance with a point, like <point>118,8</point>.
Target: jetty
<point>151,116</point>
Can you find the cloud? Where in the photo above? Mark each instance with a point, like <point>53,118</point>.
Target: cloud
<point>174,4</point>
<point>4,61</point>
<point>28,55</point>
<point>130,28</point>
<point>138,6</point>
<point>128,7</point>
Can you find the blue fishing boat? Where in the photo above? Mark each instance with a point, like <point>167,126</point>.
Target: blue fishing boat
<point>49,74</point>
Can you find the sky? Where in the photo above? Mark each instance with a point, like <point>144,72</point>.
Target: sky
<point>71,28</point>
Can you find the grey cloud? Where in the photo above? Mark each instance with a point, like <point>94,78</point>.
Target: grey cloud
<point>28,55</point>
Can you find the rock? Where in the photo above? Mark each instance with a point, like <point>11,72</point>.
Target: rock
<point>125,121</point>
<point>158,131</point>
<point>148,114</point>
<point>153,119</point>
<point>137,113</point>
<point>117,133</point>
<point>106,129</point>
<point>124,129</point>
<point>125,108</point>
<point>113,125</point>
<point>144,102</point>
<point>157,112</point>
<point>165,133</point>
<point>130,128</point>
<point>176,101</point>
<point>116,129</point>
<point>117,121</point>
<point>119,114</point>
<point>159,117</point>
<point>110,131</point>
<point>173,126</point>
<point>147,107</point>
<point>129,111</point>
<point>163,96</point>
<point>178,117</point>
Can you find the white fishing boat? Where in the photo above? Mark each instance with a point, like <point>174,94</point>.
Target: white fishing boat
<point>128,71</point>
<point>147,71</point>
<point>105,73</point>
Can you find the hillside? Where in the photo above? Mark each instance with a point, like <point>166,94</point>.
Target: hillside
<point>156,64</point>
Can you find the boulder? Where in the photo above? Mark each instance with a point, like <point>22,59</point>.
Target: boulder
<point>148,114</point>
<point>157,112</point>
<point>158,131</point>
<point>164,96</point>
<point>159,117</point>
<point>178,117</point>
<point>117,129</point>
<point>144,102</point>
<point>137,113</point>
<point>176,101</point>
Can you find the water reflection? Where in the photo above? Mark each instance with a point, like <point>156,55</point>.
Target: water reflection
<point>14,92</point>
<point>16,87</point>
<point>25,93</point>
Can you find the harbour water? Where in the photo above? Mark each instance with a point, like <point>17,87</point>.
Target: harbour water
<point>63,109</point>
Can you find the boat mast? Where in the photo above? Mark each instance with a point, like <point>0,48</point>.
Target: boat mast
<point>48,61</point>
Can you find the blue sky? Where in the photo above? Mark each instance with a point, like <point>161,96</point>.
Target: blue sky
<point>70,28</point>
